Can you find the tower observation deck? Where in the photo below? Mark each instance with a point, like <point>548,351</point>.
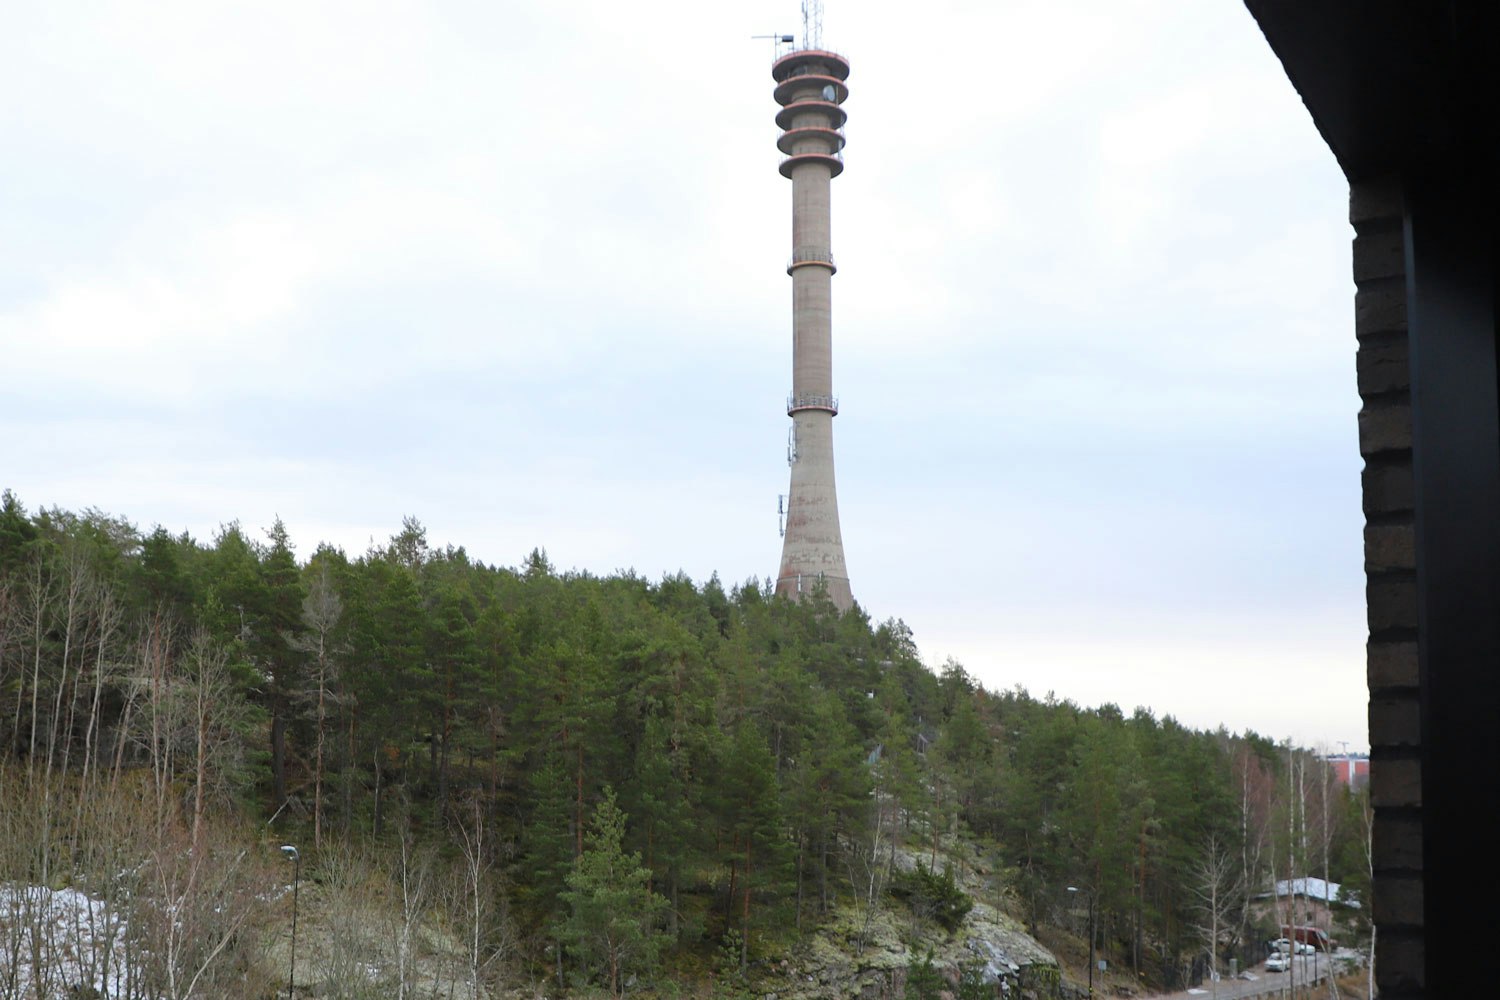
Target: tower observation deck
<point>811,91</point>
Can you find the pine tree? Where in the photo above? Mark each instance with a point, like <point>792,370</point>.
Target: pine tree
<point>748,807</point>
<point>613,916</point>
<point>826,789</point>
<point>923,981</point>
<point>660,796</point>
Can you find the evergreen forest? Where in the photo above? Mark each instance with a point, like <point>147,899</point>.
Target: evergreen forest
<point>591,783</point>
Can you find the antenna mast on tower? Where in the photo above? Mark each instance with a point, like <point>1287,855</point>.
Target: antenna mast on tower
<point>812,24</point>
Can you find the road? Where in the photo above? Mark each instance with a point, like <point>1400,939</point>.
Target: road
<point>1265,983</point>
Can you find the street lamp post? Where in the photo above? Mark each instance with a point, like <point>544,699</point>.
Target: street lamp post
<point>1074,888</point>
<point>296,859</point>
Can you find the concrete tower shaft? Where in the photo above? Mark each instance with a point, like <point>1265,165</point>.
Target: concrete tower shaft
<point>811,91</point>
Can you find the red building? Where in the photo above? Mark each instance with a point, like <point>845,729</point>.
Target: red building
<point>1353,770</point>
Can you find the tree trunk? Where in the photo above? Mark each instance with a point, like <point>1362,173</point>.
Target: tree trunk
<point>733,884</point>
<point>1140,896</point>
<point>578,807</point>
<point>200,771</point>
<point>318,767</point>
<point>376,823</point>
<point>349,772</point>
<point>823,873</point>
<point>745,920</point>
<point>801,842</point>
<point>278,752</point>
<point>672,885</point>
<point>445,754</point>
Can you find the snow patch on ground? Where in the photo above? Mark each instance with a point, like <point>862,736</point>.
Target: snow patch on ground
<point>55,941</point>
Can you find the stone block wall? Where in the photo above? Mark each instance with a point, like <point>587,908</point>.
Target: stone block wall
<point>1377,210</point>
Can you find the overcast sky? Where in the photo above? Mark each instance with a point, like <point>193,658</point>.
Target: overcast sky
<point>517,270</point>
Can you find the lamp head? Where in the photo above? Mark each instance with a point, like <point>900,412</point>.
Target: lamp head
<point>289,851</point>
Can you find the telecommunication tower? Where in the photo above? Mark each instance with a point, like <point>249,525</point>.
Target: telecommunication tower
<point>811,90</point>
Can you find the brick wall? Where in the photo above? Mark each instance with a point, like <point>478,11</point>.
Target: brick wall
<point>1376,211</point>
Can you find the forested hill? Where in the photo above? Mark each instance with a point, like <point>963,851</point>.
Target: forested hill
<point>765,761</point>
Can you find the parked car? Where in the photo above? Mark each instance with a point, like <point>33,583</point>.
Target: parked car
<point>1292,948</point>
<point>1278,962</point>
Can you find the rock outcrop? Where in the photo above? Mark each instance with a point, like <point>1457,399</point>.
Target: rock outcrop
<point>865,952</point>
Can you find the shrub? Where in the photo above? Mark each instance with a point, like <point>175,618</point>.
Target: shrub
<point>932,895</point>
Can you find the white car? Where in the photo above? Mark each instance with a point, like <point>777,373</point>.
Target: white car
<point>1278,962</point>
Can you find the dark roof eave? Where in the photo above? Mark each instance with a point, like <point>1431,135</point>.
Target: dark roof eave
<point>1390,85</point>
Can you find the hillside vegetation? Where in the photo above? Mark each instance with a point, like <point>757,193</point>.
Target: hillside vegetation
<point>519,779</point>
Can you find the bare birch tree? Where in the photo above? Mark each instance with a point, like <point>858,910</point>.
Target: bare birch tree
<point>479,907</point>
<point>39,590</point>
<point>352,965</point>
<point>220,718</point>
<point>321,611</point>
<point>196,901</point>
<point>1368,816</point>
<point>411,880</point>
<point>1216,884</point>
<point>869,861</point>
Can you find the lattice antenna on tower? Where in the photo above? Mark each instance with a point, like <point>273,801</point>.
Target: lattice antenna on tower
<point>812,24</point>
